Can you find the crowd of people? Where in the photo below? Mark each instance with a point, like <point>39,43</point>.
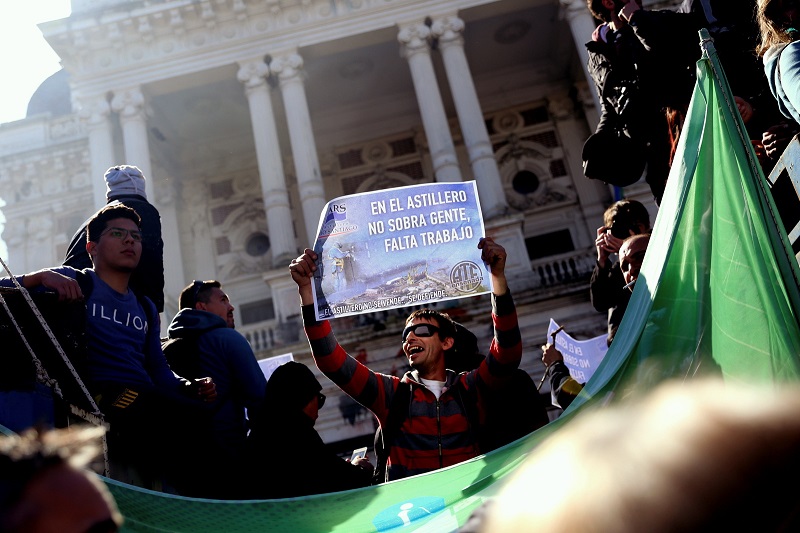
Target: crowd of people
<point>201,391</point>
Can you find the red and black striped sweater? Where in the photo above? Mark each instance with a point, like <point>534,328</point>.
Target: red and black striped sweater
<point>435,433</point>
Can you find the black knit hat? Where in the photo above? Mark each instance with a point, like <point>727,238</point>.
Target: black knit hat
<point>464,355</point>
<point>292,385</point>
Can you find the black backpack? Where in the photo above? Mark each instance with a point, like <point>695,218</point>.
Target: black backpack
<point>182,354</point>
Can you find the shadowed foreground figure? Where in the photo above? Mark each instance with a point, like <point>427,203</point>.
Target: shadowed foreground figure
<point>286,456</point>
<point>699,456</point>
<point>46,488</point>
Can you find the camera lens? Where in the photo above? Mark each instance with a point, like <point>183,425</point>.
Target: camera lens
<point>620,231</point>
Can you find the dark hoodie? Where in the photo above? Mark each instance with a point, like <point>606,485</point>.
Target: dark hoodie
<point>225,356</point>
<point>285,455</point>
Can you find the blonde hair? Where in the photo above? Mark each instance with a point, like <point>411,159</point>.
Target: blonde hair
<point>769,16</point>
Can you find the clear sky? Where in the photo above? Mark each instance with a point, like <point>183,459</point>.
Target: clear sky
<point>26,60</point>
<point>25,57</point>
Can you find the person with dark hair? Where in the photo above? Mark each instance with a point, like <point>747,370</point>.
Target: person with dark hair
<point>47,487</point>
<point>512,411</point>
<point>284,430</point>
<point>563,387</point>
<point>442,431</point>
<point>606,288</point>
<point>636,83</point>
<point>125,368</point>
<point>201,342</point>
<point>125,185</point>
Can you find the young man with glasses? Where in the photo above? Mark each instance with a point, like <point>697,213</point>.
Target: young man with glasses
<point>125,185</point>
<point>202,341</point>
<point>440,429</point>
<point>125,369</point>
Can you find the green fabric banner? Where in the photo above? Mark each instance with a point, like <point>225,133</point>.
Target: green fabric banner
<point>718,293</point>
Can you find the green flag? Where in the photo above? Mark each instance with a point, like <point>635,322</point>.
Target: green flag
<point>717,294</point>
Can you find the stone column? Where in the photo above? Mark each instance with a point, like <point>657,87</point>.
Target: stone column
<point>582,24</point>
<point>94,112</point>
<point>416,49</point>
<point>129,103</point>
<point>289,69</point>
<point>591,193</point>
<point>476,138</point>
<point>253,74</point>
<point>174,276</point>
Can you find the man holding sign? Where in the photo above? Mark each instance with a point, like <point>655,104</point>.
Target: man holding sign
<point>446,406</point>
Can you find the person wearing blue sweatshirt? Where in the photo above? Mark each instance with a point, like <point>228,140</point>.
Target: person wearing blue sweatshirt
<point>150,409</point>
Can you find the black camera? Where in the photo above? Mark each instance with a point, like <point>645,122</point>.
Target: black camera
<point>620,230</point>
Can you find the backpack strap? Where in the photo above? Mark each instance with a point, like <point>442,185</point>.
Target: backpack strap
<point>384,436</point>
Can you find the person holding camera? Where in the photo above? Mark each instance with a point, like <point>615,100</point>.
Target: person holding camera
<point>607,286</point>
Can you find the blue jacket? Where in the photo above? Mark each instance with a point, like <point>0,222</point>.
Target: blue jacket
<point>782,66</point>
<point>225,355</point>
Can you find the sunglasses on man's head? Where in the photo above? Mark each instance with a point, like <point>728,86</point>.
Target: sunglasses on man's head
<point>420,330</point>
<point>320,400</point>
<point>196,286</point>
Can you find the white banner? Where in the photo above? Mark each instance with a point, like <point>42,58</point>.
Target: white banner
<point>581,357</point>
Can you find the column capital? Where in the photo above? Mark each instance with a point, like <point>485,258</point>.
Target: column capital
<point>287,66</point>
<point>449,30</point>
<point>561,106</point>
<point>128,102</point>
<point>414,39</point>
<point>94,110</point>
<point>252,73</point>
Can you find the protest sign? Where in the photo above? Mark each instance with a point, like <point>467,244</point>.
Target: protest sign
<point>269,364</point>
<point>399,247</point>
<point>581,357</point>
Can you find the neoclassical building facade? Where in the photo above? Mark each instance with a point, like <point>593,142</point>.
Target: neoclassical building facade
<point>247,116</point>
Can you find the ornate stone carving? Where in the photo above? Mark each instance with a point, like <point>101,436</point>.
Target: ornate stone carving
<point>449,30</point>
<point>287,66</point>
<point>94,110</point>
<point>561,106</point>
<point>253,74</point>
<point>414,39</point>
<point>128,103</point>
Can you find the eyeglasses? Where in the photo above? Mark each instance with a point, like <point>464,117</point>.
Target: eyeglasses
<point>320,400</point>
<point>420,330</point>
<point>122,234</point>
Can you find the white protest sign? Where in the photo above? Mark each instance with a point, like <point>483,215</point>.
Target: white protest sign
<point>269,364</point>
<point>581,357</point>
<point>399,247</point>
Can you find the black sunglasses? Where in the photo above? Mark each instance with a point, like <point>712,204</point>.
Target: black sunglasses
<point>420,330</point>
<point>196,286</point>
<point>320,400</point>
